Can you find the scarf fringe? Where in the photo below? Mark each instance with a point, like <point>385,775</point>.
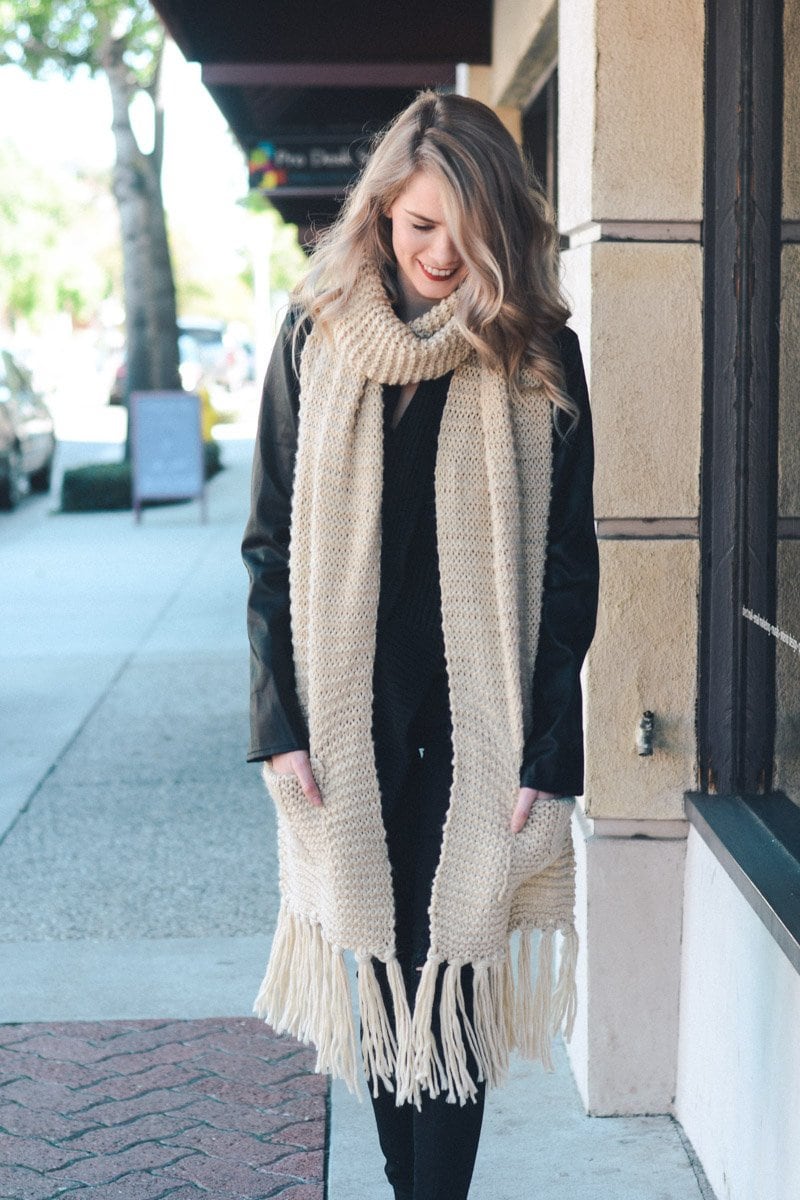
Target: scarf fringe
<point>408,1088</point>
<point>306,993</point>
<point>378,1045</point>
<point>429,1071</point>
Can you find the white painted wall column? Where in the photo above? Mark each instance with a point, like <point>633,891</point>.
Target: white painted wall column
<point>624,1045</point>
<point>738,1095</point>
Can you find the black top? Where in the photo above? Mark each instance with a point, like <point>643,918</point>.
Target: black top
<point>410,595</point>
<point>553,752</point>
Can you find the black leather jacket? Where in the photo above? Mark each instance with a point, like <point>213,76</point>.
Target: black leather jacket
<point>553,754</point>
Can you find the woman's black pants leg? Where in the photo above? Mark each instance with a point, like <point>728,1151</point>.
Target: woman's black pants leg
<point>430,1153</point>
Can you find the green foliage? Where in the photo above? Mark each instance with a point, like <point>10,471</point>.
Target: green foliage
<point>104,487</point>
<point>217,287</point>
<point>47,36</point>
<point>288,262</point>
<point>59,240</point>
<point>287,259</point>
<point>98,487</point>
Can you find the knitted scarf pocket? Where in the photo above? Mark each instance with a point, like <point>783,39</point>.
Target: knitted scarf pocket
<point>305,823</point>
<point>540,842</point>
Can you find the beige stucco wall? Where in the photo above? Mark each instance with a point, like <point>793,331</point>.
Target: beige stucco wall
<point>648,155</point>
<point>631,110</point>
<point>646,377</point>
<point>643,657</point>
<point>630,146</point>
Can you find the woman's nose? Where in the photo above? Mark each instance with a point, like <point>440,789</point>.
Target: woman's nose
<point>444,250</point>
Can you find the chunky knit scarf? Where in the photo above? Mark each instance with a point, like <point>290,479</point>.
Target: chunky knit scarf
<point>492,487</point>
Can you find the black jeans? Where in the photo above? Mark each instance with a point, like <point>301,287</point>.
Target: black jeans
<point>429,1153</point>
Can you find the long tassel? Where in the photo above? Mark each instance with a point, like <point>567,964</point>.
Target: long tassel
<point>310,993</point>
<point>306,993</point>
<point>542,1000</point>
<point>378,1044</point>
<point>481,1047</point>
<point>320,1001</point>
<point>286,977</point>
<point>540,1011</point>
<point>460,1084</point>
<point>565,997</point>
<point>524,1037</point>
<point>468,1027</point>
<point>428,1067</point>
<point>507,994</point>
<point>345,1062</point>
<point>503,997</point>
<point>277,977</point>
<point>489,1022</point>
<point>406,1085</point>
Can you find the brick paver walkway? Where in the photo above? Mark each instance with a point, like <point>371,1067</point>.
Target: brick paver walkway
<point>139,1110</point>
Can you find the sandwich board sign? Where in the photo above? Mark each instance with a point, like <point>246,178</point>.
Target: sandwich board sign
<point>166,448</point>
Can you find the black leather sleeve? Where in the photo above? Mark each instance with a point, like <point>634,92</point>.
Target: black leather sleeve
<point>553,755</point>
<point>276,721</point>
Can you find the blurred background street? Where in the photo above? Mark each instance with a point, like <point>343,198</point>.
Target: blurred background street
<point>128,812</point>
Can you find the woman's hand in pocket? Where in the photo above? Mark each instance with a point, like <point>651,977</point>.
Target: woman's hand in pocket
<point>296,762</point>
<point>525,802</point>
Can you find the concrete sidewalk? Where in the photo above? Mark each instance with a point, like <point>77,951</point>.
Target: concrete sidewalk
<point>138,891</point>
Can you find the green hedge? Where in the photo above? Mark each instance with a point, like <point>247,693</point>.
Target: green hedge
<point>105,486</point>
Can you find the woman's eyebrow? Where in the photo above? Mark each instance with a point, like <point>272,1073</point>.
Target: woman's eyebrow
<point>419,216</point>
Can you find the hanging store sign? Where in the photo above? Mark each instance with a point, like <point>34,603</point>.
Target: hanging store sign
<point>298,163</point>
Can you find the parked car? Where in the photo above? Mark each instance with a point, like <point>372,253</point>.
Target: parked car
<point>206,350</point>
<point>208,338</point>
<point>27,435</point>
<point>116,394</point>
<point>241,361</point>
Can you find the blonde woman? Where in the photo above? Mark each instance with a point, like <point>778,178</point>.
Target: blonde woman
<point>423,591</point>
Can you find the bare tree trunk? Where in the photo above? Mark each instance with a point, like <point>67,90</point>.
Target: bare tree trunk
<point>149,286</point>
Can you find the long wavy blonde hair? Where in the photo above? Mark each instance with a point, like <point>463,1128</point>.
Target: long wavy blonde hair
<point>498,217</point>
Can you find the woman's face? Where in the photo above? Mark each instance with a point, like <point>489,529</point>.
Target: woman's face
<point>429,267</point>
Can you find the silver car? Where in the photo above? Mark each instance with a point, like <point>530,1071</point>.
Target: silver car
<point>27,437</point>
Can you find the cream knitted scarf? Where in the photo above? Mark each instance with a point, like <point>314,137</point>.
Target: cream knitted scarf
<point>492,488</point>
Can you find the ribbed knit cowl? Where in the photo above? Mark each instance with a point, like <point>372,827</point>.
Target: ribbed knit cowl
<point>492,490</point>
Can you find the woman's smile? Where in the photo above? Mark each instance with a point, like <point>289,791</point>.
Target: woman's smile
<point>436,273</point>
<point>429,265</point>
